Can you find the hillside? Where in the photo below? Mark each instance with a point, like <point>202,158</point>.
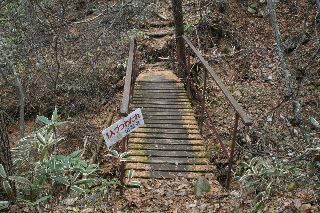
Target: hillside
<point>74,55</point>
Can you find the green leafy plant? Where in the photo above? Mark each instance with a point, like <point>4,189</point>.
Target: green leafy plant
<point>4,205</point>
<point>123,157</point>
<point>120,156</point>
<point>39,171</point>
<point>188,27</point>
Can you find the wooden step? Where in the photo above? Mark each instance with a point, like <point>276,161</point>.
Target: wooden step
<point>140,86</point>
<point>160,91</point>
<point>167,167</point>
<point>167,113</point>
<point>169,117</point>
<point>180,154</point>
<point>152,79</point>
<point>160,96</point>
<point>166,135</point>
<point>167,130</point>
<point>166,175</point>
<point>165,121</point>
<point>162,102</point>
<point>155,100</point>
<point>164,141</point>
<point>163,147</point>
<point>169,160</point>
<point>174,105</point>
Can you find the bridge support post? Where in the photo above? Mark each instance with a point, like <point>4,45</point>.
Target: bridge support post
<point>234,135</point>
<point>188,74</point>
<point>122,175</point>
<point>203,100</point>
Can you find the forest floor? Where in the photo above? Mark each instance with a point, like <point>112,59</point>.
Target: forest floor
<point>239,45</point>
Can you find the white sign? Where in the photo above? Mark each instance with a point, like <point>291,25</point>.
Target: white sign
<point>123,127</point>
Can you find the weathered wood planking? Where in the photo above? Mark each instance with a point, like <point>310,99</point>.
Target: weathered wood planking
<point>169,144</point>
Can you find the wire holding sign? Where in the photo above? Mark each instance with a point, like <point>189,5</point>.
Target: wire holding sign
<point>123,127</point>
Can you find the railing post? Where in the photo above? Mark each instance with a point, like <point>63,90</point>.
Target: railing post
<point>203,99</point>
<point>234,135</point>
<point>179,59</point>
<point>188,74</point>
<point>131,74</point>
<point>122,175</point>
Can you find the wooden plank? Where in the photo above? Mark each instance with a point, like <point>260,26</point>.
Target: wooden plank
<point>161,121</point>
<point>127,85</point>
<point>166,113</point>
<point>169,117</point>
<point>168,147</point>
<point>154,80</point>
<point>160,96</point>
<point>172,131</point>
<point>169,160</point>
<point>165,175</point>
<point>154,100</point>
<point>165,110</point>
<point>167,167</point>
<point>162,105</point>
<point>167,135</point>
<point>165,90</point>
<point>150,106</point>
<point>142,92</point>
<point>159,88</point>
<point>171,126</point>
<point>181,154</point>
<point>156,94</point>
<point>162,101</point>
<point>157,98</point>
<point>157,91</point>
<point>165,141</point>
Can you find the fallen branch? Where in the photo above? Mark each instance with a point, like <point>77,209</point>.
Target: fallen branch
<point>158,24</point>
<point>162,16</point>
<point>159,34</point>
<point>89,19</point>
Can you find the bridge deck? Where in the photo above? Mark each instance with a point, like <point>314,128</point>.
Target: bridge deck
<point>169,144</point>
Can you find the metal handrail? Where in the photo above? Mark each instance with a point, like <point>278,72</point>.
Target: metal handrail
<point>233,102</point>
<point>131,75</point>
<point>239,112</point>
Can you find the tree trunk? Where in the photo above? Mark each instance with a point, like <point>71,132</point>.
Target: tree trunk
<point>21,100</point>
<point>179,31</point>
<point>5,154</point>
<point>285,67</point>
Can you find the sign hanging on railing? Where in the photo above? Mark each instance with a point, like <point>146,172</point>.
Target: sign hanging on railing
<point>123,127</point>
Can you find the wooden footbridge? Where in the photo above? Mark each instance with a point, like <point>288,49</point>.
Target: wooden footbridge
<point>170,145</point>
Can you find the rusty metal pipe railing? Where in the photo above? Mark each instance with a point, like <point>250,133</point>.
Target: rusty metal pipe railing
<point>233,102</point>
<point>131,75</point>
<point>239,112</point>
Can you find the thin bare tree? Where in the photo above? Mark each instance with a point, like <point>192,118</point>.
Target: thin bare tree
<point>179,31</point>
<point>285,68</point>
